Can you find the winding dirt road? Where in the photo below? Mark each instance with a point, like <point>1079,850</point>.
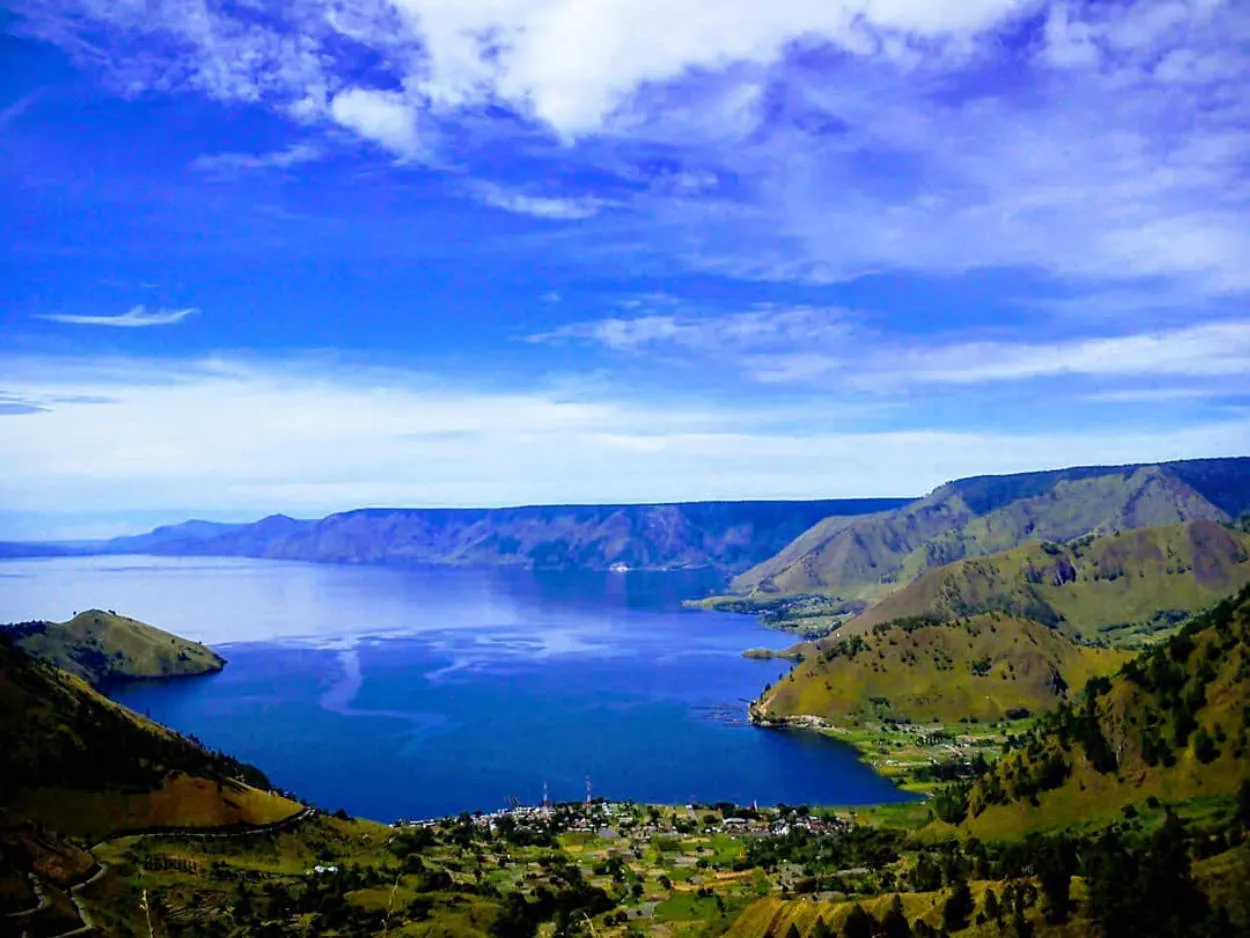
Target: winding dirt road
<point>74,891</point>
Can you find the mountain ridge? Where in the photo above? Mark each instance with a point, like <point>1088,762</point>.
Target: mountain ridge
<point>869,557</point>
<point>1091,585</point>
<point>729,535</point>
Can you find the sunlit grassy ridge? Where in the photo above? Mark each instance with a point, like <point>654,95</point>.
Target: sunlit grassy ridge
<point>1115,586</point>
<point>76,761</point>
<point>985,667</point>
<point>101,646</point>
<point>1174,724</point>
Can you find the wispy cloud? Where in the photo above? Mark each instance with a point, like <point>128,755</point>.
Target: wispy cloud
<point>755,330</point>
<point>816,140</point>
<point>137,317</point>
<point>833,347</point>
<point>536,206</point>
<point>1212,350</point>
<point>16,405</point>
<point>12,112</point>
<point>234,163</point>
<point>1156,395</point>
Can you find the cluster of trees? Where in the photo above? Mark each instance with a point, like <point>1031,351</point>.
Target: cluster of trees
<point>870,847</point>
<point>1138,882</point>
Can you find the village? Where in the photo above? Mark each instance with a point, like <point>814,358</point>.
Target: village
<point>625,819</point>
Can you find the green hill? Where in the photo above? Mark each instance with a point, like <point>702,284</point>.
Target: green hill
<point>75,767</point>
<point>1120,587</point>
<point>102,646</point>
<point>870,556</point>
<point>1173,724</point>
<point>985,667</point>
<point>82,765</point>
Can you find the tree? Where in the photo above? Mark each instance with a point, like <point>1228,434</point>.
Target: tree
<point>1147,890</point>
<point>992,910</point>
<point>1243,802</point>
<point>792,931</point>
<point>1205,749</point>
<point>894,923</point>
<point>950,804</point>
<point>1052,872</point>
<point>859,923</point>
<point>822,929</point>
<point>958,907</point>
<point>926,876</point>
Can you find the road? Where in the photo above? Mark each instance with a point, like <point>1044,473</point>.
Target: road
<point>87,924</point>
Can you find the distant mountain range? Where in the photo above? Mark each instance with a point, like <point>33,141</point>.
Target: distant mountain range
<point>731,536</point>
<point>854,549</point>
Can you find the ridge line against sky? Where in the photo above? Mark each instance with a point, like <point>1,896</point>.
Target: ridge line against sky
<point>307,256</point>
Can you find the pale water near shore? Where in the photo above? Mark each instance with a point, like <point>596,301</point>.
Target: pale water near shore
<point>415,692</point>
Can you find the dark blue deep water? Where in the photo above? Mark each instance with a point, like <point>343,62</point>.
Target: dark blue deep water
<point>419,692</point>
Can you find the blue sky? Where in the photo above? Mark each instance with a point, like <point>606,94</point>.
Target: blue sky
<point>329,253</point>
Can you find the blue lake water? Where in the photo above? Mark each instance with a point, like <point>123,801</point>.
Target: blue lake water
<point>419,692</point>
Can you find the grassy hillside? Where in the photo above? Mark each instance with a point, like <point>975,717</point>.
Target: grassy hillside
<point>986,667</point>
<point>869,557</point>
<point>1120,587</point>
<point>77,762</point>
<point>1173,724</point>
<point>102,646</point>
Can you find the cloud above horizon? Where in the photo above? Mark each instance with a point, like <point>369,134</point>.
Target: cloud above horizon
<point>317,435</point>
<point>137,317</point>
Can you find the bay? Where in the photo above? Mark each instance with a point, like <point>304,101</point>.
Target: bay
<point>417,692</point>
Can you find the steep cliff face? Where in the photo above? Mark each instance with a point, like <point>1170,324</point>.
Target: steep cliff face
<point>725,535</point>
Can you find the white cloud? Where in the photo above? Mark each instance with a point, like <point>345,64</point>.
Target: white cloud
<point>230,163</point>
<point>383,117</point>
<point>758,329</point>
<point>11,112</point>
<point>1152,395</point>
<point>137,317</point>
<point>536,206</point>
<point>314,436</point>
<point>1212,350</point>
<point>573,63</point>
<point>852,136</point>
<point>831,347</point>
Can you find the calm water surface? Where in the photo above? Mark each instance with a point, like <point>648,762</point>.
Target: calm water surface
<point>419,692</point>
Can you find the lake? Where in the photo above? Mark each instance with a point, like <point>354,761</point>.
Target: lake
<point>400,692</point>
